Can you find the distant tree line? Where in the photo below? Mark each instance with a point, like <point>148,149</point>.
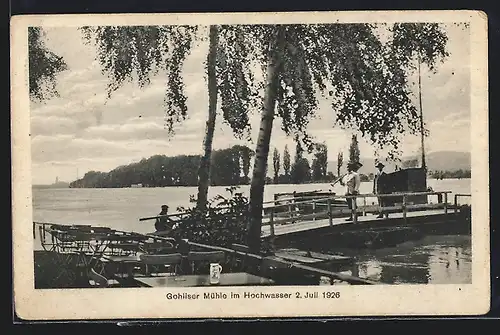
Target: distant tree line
<point>456,174</point>
<point>301,171</point>
<point>229,167</point>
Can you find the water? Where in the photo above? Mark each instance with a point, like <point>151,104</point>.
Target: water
<point>433,259</point>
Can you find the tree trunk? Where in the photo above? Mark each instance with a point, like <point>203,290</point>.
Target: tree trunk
<point>261,156</point>
<point>204,170</point>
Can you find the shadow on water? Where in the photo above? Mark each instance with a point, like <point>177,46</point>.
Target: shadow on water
<point>444,259</point>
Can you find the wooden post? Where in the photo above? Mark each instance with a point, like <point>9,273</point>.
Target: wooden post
<point>455,203</point>
<point>445,203</point>
<point>314,210</point>
<point>271,222</point>
<point>404,207</point>
<point>354,210</point>
<point>330,218</point>
<point>364,206</point>
<point>290,210</point>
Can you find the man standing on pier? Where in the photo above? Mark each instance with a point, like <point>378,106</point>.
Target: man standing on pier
<point>378,188</point>
<point>351,181</point>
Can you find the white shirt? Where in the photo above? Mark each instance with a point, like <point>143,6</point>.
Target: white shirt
<point>352,182</point>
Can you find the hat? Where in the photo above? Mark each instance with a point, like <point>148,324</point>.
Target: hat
<point>164,206</point>
<point>379,164</point>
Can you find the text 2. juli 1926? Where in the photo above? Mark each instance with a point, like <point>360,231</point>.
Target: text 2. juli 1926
<point>253,295</point>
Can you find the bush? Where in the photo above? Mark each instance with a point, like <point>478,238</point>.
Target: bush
<point>223,223</point>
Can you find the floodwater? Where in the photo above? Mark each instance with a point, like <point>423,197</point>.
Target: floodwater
<point>444,259</point>
<point>434,259</point>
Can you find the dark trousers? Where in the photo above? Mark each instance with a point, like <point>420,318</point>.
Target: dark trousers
<point>382,202</point>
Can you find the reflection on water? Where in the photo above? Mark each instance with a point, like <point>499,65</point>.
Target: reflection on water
<point>432,260</point>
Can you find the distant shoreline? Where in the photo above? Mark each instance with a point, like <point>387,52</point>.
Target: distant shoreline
<point>175,186</point>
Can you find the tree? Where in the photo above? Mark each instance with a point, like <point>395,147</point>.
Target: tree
<point>370,91</point>
<point>137,53</point>
<point>286,162</point>
<point>226,167</point>
<point>276,164</point>
<point>340,162</point>
<point>245,156</point>
<point>320,162</point>
<point>354,150</point>
<point>44,66</point>
<point>301,171</point>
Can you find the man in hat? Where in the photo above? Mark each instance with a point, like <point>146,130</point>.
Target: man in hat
<point>378,187</point>
<point>351,181</point>
<point>163,223</point>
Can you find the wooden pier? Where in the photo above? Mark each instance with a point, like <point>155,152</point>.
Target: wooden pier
<point>328,225</point>
<point>410,216</point>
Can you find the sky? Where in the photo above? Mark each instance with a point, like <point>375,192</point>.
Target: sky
<point>81,130</point>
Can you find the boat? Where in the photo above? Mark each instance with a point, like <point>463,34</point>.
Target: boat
<point>407,180</point>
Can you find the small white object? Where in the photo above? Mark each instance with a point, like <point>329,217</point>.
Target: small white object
<point>215,271</point>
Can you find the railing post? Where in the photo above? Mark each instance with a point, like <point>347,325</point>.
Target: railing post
<point>354,210</point>
<point>330,218</point>
<point>364,206</point>
<point>404,207</point>
<point>445,203</point>
<point>314,210</point>
<point>455,203</point>
<point>271,222</point>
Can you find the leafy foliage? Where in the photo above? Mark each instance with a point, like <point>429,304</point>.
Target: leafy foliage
<point>136,53</point>
<point>301,171</point>
<point>340,162</point>
<point>223,223</point>
<point>320,162</point>
<point>286,161</point>
<point>245,154</point>
<point>276,164</point>
<point>44,66</point>
<point>354,150</point>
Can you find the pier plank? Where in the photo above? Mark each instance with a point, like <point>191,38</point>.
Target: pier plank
<point>299,258</point>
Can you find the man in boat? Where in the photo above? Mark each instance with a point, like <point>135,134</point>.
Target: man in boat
<point>163,224</point>
<point>379,188</point>
<point>351,181</point>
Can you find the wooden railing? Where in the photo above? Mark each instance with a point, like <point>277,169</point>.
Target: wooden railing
<point>455,200</point>
<point>273,215</point>
<point>292,216</point>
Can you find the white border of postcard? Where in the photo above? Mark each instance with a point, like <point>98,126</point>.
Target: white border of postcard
<point>377,300</point>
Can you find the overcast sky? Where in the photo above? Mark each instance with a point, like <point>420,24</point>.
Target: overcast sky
<point>81,131</point>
